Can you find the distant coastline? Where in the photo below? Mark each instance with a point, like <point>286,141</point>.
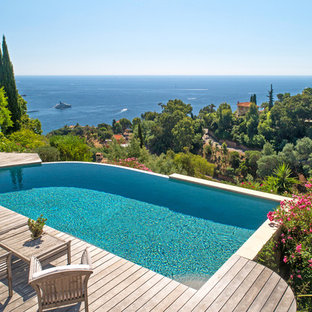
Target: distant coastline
<point>97,99</point>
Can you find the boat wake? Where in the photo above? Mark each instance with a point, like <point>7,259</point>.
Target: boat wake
<point>123,110</point>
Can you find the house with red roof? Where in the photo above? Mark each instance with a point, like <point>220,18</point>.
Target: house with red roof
<point>119,138</point>
<point>242,108</point>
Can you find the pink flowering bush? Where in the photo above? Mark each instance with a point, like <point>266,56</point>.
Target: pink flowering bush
<point>295,241</point>
<point>254,186</point>
<point>132,163</point>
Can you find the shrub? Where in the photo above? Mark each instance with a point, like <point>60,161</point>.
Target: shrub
<point>48,153</point>
<point>194,165</point>
<point>27,139</point>
<point>71,147</point>
<point>295,241</point>
<point>132,163</point>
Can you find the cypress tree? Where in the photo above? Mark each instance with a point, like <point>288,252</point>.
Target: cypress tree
<point>0,67</point>
<point>8,82</point>
<point>140,135</point>
<point>253,98</point>
<point>270,96</point>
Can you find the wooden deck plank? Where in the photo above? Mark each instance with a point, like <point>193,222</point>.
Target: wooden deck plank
<point>253,291</point>
<point>293,307</point>
<point>231,287</point>
<point>275,296</point>
<point>286,301</point>
<point>140,301</point>
<point>205,289</point>
<point>220,286</point>
<point>264,293</point>
<point>123,295</point>
<point>170,298</point>
<point>150,304</point>
<point>139,287</point>
<point>242,289</point>
<point>180,301</point>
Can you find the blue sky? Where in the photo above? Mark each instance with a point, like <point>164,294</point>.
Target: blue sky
<point>158,37</point>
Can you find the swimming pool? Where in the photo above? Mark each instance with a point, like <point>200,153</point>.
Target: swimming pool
<point>177,229</point>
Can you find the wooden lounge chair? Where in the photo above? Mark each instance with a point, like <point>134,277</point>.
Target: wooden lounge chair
<point>5,268</point>
<point>63,285</point>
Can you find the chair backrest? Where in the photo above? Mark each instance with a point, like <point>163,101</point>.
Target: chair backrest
<point>60,286</point>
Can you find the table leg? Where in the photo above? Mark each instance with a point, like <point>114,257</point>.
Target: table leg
<point>10,274</point>
<point>68,252</point>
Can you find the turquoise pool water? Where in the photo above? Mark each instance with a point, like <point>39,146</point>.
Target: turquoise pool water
<point>180,230</point>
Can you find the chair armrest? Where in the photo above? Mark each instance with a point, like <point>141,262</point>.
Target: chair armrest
<point>86,258</point>
<point>34,267</point>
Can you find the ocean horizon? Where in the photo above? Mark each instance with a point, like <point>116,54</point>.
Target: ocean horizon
<point>98,99</point>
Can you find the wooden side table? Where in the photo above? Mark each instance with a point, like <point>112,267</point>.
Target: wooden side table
<point>5,268</point>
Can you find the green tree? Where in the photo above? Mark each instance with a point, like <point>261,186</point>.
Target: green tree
<point>268,149</point>
<point>125,123</point>
<point>253,98</point>
<point>5,114</point>
<point>270,96</point>
<point>252,121</point>
<point>234,160</point>
<point>289,118</point>
<point>224,120</point>
<point>265,125</point>
<point>183,134</point>
<point>135,121</point>
<point>149,115</point>
<point>8,82</point>
<point>266,164</point>
<point>117,128</point>
<point>174,105</point>
<point>249,165</point>
<point>304,155</point>
<point>140,135</point>
<point>26,122</point>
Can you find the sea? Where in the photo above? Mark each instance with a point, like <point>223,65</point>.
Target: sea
<point>98,99</point>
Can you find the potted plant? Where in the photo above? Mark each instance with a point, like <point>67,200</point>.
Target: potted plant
<point>36,227</point>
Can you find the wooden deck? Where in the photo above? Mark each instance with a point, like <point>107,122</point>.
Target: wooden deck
<point>18,159</point>
<point>120,285</point>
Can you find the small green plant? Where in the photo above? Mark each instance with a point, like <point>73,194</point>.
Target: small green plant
<point>36,227</point>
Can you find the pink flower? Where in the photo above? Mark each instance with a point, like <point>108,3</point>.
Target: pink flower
<point>298,248</point>
<point>299,276</point>
<point>285,259</point>
<point>270,215</point>
<point>283,240</point>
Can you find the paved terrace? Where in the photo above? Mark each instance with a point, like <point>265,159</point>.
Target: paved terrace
<point>18,159</point>
<point>120,285</point>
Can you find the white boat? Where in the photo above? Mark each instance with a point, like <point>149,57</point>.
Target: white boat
<point>62,105</point>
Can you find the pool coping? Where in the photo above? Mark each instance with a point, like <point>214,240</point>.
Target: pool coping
<point>9,160</point>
